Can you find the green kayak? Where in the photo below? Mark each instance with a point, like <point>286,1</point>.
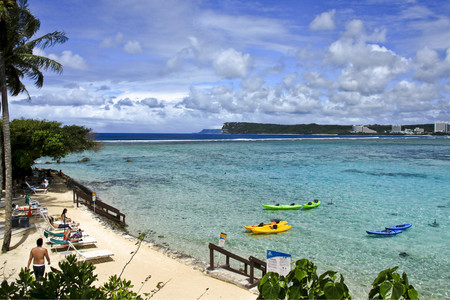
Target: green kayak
<point>313,204</point>
<point>284,206</point>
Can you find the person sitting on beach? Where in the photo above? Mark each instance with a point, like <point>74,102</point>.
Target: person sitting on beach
<point>64,217</point>
<point>60,225</point>
<point>73,237</point>
<point>44,182</point>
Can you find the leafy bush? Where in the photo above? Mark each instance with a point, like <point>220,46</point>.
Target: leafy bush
<point>74,280</point>
<point>390,285</point>
<point>303,283</point>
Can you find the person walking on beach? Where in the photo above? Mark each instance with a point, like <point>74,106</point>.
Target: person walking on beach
<point>38,255</point>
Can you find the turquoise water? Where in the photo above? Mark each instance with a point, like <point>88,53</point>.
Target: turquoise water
<point>183,194</point>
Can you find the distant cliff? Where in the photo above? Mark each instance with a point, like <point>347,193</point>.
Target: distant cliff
<point>260,128</point>
<point>211,131</point>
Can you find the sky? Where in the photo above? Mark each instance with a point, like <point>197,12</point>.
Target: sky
<point>180,66</point>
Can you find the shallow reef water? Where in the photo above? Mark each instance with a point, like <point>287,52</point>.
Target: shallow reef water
<point>187,192</point>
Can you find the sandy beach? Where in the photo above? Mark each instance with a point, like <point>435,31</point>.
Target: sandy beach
<point>182,280</point>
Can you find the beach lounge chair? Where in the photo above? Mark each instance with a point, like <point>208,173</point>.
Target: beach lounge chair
<point>86,255</point>
<point>35,189</point>
<point>57,235</point>
<point>49,226</point>
<point>49,234</point>
<point>58,243</point>
<point>35,210</point>
<point>53,227</point>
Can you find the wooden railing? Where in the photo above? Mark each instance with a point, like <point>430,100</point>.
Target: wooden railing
<point>250,264</point>
<point>99,207</point>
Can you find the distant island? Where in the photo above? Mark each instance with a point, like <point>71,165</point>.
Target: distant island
<point>261,128</point>
<point>211,131</point>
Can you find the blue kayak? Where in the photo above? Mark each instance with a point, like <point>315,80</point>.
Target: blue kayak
<point>384,232</point>
<point>400,227</point>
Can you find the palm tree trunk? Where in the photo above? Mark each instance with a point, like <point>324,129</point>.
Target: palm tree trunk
<point>7,152</point>
<point>2,171</point>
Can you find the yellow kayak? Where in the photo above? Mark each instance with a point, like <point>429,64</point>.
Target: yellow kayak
<point>250,227</point>
<point>271,229</point>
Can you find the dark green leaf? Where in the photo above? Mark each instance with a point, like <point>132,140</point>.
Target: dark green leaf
<point>412,294</point>
<point>398,290</point>
<point>386,289</point>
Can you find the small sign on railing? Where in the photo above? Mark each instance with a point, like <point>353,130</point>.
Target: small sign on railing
<point>222,238</point>
<point>278,262</point>
<point>94,197</point>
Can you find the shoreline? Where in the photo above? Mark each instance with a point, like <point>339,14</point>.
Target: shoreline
<point>185,276</point>
<point>121,230</point>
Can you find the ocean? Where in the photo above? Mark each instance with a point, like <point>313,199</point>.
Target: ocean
<point>183,190</point>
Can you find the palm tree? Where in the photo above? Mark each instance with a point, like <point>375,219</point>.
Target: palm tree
<point>17,27</point>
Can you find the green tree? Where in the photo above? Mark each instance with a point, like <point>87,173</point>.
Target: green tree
<point>32,139</point>
<point>17,28</point>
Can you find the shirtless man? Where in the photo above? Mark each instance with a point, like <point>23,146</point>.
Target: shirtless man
<point>37,254</point>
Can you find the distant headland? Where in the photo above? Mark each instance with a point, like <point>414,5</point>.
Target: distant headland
<point>261,128</point>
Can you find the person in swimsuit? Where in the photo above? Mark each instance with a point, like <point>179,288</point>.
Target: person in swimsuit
<point>73,236</point>
<point>38,255</point>
<point>50,219</point>
<point>64,217</point>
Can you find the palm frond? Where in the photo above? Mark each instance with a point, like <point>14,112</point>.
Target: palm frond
<point>41,62</point>
<point>18,47</point>
<point>48,40</point>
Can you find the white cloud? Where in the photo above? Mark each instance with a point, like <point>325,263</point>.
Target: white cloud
<point>67,59</point>
<point>151,103</point>
<point>232,64</point>
<point>410,96</point>
<point>253,83</point>
<point>416,12</point>
<point>132,47</point>
<point>366,68</point>
<point>429,67</point>
<point>324,21</point>
<point>126,102</point>
<point>72,97</point>
<point>112,41</point>
<point>221,62</point>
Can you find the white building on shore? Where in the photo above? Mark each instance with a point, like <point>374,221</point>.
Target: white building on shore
<point>361,128</point>
<point>396,129</point>
<point>441,126</point>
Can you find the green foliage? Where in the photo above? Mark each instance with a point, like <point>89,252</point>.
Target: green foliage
<point>32,139</point>
<point>117,288</point>
<point>390,285</point>
<point>303,283</point>
<point>74,280</point>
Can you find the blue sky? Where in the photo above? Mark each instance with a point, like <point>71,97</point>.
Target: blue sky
<point>182,66</point>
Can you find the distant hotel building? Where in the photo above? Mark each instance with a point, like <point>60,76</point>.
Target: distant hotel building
<point>441,126</point>
<point>396,129</point>
<point>363,129</point>
<point>419,130</point>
